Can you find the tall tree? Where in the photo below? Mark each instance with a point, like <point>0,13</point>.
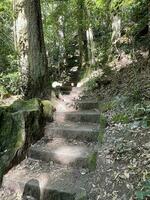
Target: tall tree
<point>83,44</point>
<point>30,44</point>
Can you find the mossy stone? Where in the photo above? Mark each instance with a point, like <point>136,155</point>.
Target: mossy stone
<point>25,106</point>
<point>21,124</point>
<point>82,195</point>
<point>47,109</point>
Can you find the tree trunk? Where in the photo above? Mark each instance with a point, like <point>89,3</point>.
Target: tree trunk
<point>31,48</point>
<point>83,48</point>
<point>91,46</point>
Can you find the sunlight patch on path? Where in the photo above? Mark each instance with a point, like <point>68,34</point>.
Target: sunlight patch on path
<point>68,154</point>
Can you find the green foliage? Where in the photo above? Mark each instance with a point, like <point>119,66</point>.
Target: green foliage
<point>103,121</point>
<point>141,112</point>
<point>144,193</point>
<point>9,78</point>
<point>135,96</point>
<point>7,52</point>
<point>3,92</point>
<point>101,135</point>
<point>110,105</point>
<point>11,82</point>
<point>92,160</point>
<point>91,84</point>
<point>103,124</point>
<point>121,118</point>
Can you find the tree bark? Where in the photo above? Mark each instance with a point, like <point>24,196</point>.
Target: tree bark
<point>31,48</point>
<point>83,44</point>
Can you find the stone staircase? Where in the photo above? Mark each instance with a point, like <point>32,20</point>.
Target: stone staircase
<point>60,165</point>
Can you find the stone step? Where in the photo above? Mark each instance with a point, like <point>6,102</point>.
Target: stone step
<point>74,153</point>
<point>69,105</point>
<point>86,104</point>
<point>74,91</point>
<point>66,92</point>
<point>68,98</point>
<point>75,97</point>
<point>63,106</point>
<point>66,88</point>
<point>75,131</point>
<point>71,88</point>
<point>78,116</point>
<point>43,181</point>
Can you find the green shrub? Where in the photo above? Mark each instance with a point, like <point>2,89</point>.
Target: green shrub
<point>101,136</point>
<point>91,84</point>
<point>121,118</point>
<point>104,107</point>
<point>144,193</point>
<point>11,82</point>
<point>3,92</point>
<point>135,96</point>
<point>92,160</point>
<point>103,124</point>
<point>103,121</point>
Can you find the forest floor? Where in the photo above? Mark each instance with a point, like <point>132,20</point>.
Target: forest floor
<point>123,159</point>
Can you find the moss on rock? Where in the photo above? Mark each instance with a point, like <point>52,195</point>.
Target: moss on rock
<point>47,109</point>
<point>21,124</point>
<point>25,106</point>
<point>82,195</point>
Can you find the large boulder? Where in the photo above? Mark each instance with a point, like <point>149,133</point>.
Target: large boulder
<point>21,124</point>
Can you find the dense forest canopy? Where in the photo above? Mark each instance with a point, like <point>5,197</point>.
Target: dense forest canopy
<point>79,33</point>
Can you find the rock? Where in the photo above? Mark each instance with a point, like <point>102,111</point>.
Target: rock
<point>48,109</point>
<point>21,124</point>
<point>82,195</point>
<point>31,190</point>
<point>147,145</point>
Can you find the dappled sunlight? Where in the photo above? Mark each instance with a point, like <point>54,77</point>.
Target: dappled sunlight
<point>124,61</point>
<point>61,106</point>
<point>33,179</point>
<point>65,153</point>
<point>93,74</point>
<point>68,154</point>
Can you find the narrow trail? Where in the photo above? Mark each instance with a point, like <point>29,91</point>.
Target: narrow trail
<point>60,165</point>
